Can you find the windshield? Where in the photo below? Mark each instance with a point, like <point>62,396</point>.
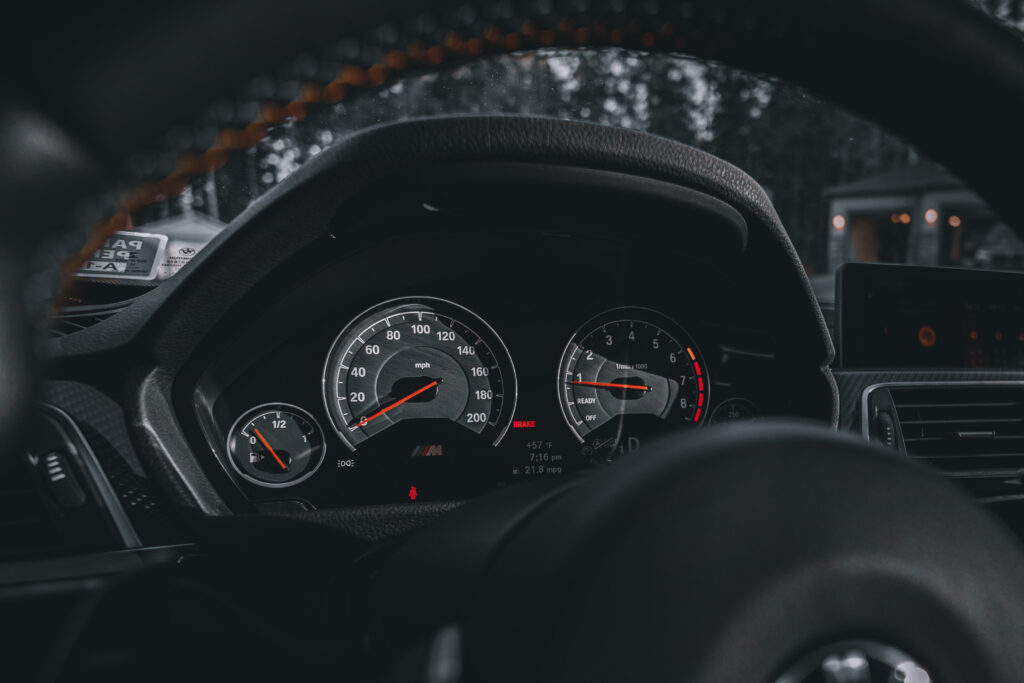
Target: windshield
<point>845,189</point>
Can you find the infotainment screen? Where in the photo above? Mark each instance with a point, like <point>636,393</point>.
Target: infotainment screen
<point>893,316</point>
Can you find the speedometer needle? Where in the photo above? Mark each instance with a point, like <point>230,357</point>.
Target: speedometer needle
<point>269,448</point>
<point>366,420</point>
<point>612,385</point>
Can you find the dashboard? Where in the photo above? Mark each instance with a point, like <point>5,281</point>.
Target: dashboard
<point>436,310</point>
<point>442,343</point>
<point>433,310</point>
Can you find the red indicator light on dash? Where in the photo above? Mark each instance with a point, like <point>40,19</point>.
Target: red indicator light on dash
<point>524,424</point>
<point>413,493</point>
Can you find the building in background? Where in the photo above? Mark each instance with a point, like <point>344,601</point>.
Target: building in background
<point>920,215</point>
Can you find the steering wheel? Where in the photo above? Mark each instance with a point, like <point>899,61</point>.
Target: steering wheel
<point>723,557</point>
<point>760,544</point>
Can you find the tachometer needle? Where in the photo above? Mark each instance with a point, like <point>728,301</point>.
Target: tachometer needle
<point>612,385</point>
<point>271,449</point>
<point>366,420</point>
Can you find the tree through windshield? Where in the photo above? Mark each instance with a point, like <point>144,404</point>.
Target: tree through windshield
<point>845,189</point>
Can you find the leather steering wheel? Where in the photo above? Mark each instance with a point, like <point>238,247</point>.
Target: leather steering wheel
<point>722,556</point>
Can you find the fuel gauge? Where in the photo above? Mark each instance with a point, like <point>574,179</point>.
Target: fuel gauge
<point>276,445</point>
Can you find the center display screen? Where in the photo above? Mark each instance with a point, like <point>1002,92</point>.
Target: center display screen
<point>908,316</point>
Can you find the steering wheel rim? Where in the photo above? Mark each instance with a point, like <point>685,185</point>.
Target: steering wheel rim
<point>720,556</point>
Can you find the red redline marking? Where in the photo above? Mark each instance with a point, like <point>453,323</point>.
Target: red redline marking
<point>269,448</point>
<point>366,420</point>
<point>696,418</point>
<point>612,385</point>
<point>700,400</point>
<point>696,366</point>
<point>700,384</point>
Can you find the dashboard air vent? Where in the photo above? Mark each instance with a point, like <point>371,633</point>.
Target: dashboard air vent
<point>961,428</point>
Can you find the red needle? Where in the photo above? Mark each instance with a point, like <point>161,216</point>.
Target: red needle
<point>611,385</point>
<point>366,420</point>
<point>269,448</point>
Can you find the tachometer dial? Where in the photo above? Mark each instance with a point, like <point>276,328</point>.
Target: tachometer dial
<point>419,360</point>
<point>626,374</point>
<point>276,445</point>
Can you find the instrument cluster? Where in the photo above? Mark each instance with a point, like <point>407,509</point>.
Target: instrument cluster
<point>420,398</point>
<point>425,378</point>
<point>433,324</point>
<point>330,394</point>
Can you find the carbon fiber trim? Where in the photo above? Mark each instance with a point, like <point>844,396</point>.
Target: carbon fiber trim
<point>852,384</point>
<point>103,427</point>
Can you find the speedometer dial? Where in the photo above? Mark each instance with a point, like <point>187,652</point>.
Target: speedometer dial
<point>419,360</point>
<point>627,374</point>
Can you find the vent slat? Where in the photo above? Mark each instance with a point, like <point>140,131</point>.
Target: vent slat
<point>994,404</point>
<point>1017,454</point>
<point>996,437</point>
<point>979,420</point>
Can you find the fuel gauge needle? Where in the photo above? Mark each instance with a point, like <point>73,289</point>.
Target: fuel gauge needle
<point>392,406</point>
<point>271,449</point>
<point>612,385</point>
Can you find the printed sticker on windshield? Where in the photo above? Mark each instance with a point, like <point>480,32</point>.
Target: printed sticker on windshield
<point>126,256</point>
